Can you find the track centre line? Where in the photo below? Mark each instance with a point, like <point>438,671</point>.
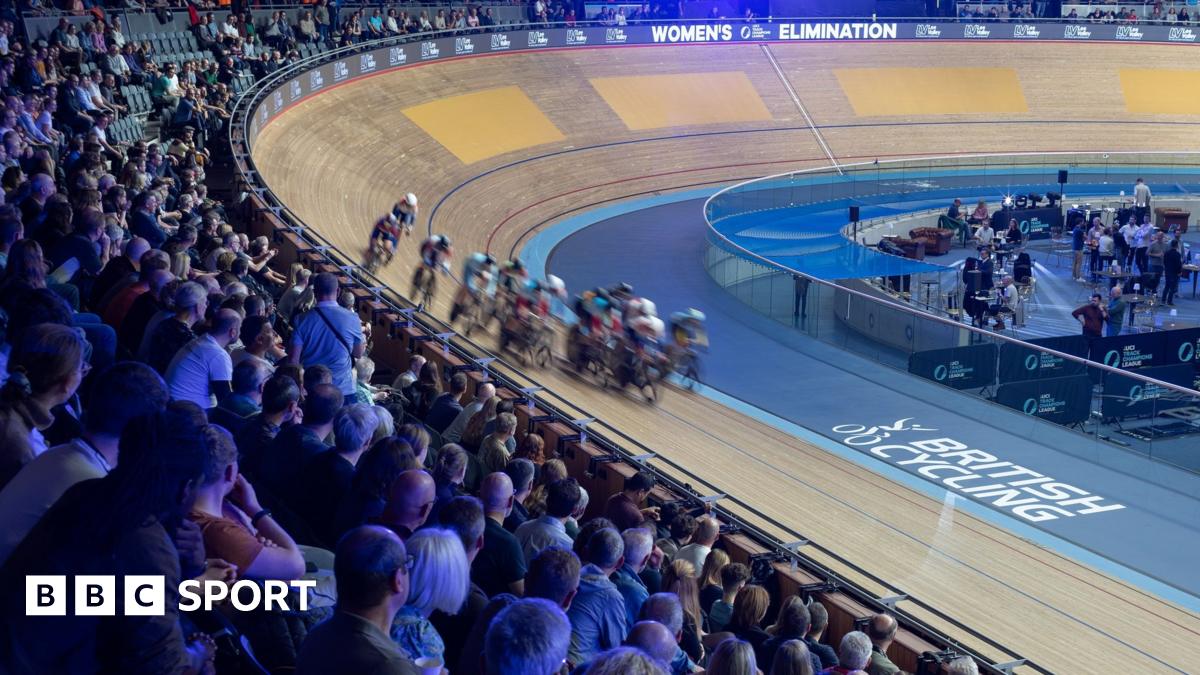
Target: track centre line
<point>899,495</point>
<point>787,85</point>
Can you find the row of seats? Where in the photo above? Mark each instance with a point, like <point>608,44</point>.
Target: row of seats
<point>137,98</point>
<point>128,129</point>
<point>168,42</point>
<point>179,57</point>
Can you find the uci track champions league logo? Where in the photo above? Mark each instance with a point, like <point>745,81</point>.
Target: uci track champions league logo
<point>972,472</point>
<point>145,595</point>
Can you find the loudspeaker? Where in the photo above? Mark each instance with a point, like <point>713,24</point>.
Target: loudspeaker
<point>1062,176</point>
<point>854,214</point>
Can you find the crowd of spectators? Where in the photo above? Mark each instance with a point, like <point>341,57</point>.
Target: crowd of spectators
<point>173,406</point>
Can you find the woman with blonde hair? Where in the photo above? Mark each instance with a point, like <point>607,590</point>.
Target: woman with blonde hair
<point>45,368</point>
<point>792,658</point>
<point>439,578</point>
<point>181,265</point>
<point>680,579</point>
<point>710,578</point>
<point>733,657</point>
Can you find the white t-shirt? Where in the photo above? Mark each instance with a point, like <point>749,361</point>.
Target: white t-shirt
<point>240,354</point>
<point>985,234</point>
<point>200,362</point>
<point>1141,194</point>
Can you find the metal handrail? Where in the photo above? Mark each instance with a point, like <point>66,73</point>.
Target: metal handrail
<point>1191,393</point>
<point>470,351</point>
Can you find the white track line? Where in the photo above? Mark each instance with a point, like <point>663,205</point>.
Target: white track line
<point>803,111</point>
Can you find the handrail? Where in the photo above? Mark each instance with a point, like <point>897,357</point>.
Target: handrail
<point>470,351</point>
<point>1191,393</point>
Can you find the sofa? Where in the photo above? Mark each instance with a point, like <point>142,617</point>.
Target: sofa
<point>912,248</point>
<point>937,240</point>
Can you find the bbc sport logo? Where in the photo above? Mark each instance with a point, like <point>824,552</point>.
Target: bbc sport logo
<point>463,46</point>
<point>397,56</point>
<point>1026,31</point>
<point>928,30</point>
<point>145,595</point>
<point>1181,35</point>
<point>500,42</point>
<point>976,31</point>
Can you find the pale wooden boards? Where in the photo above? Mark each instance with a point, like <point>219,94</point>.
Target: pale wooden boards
<point>341,159</point>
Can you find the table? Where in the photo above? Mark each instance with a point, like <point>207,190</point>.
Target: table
<point>1174,325</point>
<point>1133,301</point>
<point>1195,273</point>
<point>1114,276</point>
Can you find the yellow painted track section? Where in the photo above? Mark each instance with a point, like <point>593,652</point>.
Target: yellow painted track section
<point>1161,92</point>
<point>485,124</point>
<point>880,92</point>
<point>656,101</point>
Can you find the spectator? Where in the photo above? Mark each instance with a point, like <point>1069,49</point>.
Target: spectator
<point>708,530</point>
<point>500,566</point>
<point>550,529</point>
<point>853,655</point>
<point>624,661</point>
<point>160,289</point>
<point>494,450</point>
<point>118,269</point>
<point>463,516</point>
<point>325,480</point>
<point>258,340</point>
<point>732,657</point>
<point>680,579</point>
<point>791,626</point>
<point>1173,268</point>
<point>682,527</point>
<point>820,620</point>
<point>329,334</point>
<point>666,609</point>
<point>297,444</point>
<point>749,609</point>
<point>963,665</point>
<point>116,525</point>
<point>410,499</point>
<point>733,578</point>
<point>374,474</point>
<point>425,391</point>
<point>483,392</point>
<point>190,303</point>
<point>529,637</point>
<point>553,575</point>
<point>532,448</point>
<point>598,620</point>
<point>405,380</point>
<point>119,393</point>
<point>280,405</point>
<point>655,640</point>
<point>882,631</point>
<point>448,471</point>
<point>551,471</point>
<point>521,472</point>
<point>372,570</point>
<point>201,372</point>
<point>439,579</point>
<point>447,406</point>
<point>624,508</point>
<point>237,409</point>
<point>793,658</point>
<point>639,544</point>
<point>44,370</point>
<point>235,526</point>
<point>297,295</point>
<point>711,589</point>
<point>418,437</point>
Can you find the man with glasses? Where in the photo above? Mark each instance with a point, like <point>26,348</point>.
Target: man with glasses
<point>372,570</point>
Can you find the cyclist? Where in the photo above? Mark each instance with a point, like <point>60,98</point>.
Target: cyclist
<point>687,329</point>
<point>385,236</point>
<point>478,275</point>
<point>436,253</point>
<point>405,211</point>
<point>534,300</point>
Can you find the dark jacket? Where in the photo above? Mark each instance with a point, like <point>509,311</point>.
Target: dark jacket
<point>443,411</point>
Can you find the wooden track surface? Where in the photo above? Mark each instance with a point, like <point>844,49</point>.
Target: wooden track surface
<point>340,159</point>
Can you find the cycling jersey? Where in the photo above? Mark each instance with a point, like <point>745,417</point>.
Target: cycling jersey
<point>386,230</point>
<point>475,264</point>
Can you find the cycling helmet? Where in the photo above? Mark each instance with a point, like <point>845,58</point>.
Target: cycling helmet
<point>410,199</point>
<point>516,264</point>
<point>600,303</point>
<point>649,308</point>
<point>555,285</point>
<point>622,289</point>
<point>443,242</point>
<point>689,314</point>
<point>391,218</point>
<point>489,260</point>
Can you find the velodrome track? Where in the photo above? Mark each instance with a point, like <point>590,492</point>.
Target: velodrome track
<point>511,141</point>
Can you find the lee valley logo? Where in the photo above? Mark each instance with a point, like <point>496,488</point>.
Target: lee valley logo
<point>1128,33</point>
<point>576,37</point>
<point>1181,35</point>
<point>614,36</point>
<point>340,71</point>
<point>1077,33</point>
<point>366,63</point>
<point>974,30</point>
<point>315,80</point>
<point>500,42</point>
<point>277,100</point>
<point>397,56</point>
<point>928,30</point>
<point>1024,30</point>
<point>429,50</point>
<point>537,38</point>
<point>295,89</point>
<point>463,46</point>
<point>145,595</point>
<point>974,473</point>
